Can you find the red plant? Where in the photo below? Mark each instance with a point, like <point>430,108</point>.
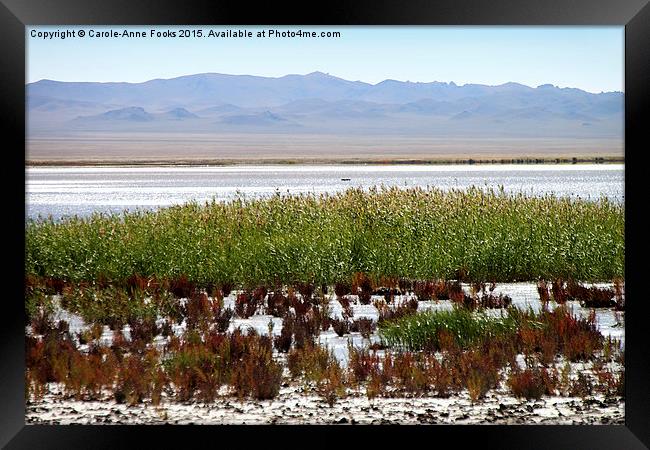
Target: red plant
<point>282,343</point>
<point>462,274</point>
<point>347,308</point>
<point>477,372</point>
<point>559,291</point>
<point>137,283</point>
<point>494,301</point>
<point>592,297</point>
<point>619,294</point>
<point>363,325</point>
<point>299,306</point>
<point>583,386</point>
<point>241,305</point>
<point>143,330</point>
<point>388,293</point>
<point>255,372</point>
<point>54,285</point>
<point>341,289</point>
<point>435,289</point>
<point>134,380</point>
<point>365,297</point>
<point>423,290</point>
<point>332,386</point>
<point>198,310</point>
<point>340,327</point>
<point>41,322</point>
<point>306,291</point>
<point>259,294</point>
<point>544,294</point>
<point>226,288</point>
<point>181,287</point>
<point>528,383</point>
<point>405,286</point>
<point>404,308</point>
<point>363,287</point>
<point>277,304</point>
<point>361,363</point>
<point>222,319</point>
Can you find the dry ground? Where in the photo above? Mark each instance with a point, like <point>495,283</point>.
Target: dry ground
<point>123,148</point>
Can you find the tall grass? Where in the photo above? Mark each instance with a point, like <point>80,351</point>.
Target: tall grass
<point>386,233</point>
<point>465,328</point>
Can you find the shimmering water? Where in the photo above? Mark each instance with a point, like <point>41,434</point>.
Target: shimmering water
<point>65,191</point>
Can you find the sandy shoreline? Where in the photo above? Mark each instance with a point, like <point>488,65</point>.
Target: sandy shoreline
<point>142,148</point>
<point>269,162</point>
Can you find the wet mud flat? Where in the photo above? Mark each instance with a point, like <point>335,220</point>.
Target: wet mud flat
<point>297,405</point>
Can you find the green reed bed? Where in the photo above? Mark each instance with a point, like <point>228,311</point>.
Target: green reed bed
<point>464,327</point>
<point>386,233</point>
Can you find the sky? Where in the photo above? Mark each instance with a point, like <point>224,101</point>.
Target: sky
<point>588,58</point>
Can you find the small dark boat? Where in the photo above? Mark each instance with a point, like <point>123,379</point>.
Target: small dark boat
<point>345,179</point>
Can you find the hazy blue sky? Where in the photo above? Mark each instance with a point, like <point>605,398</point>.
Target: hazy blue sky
<point>589,58</point>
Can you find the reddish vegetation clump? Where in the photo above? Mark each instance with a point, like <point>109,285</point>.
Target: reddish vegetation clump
<point>437,290</point>
<point>226,288</point>
<point>592,297</point>
<point>487,299</point>
<point>544,294</point>
<point>362,286</point>
<point>589,297</point>
<point>306,291</point>
<point>198,310</point>
<point>242,305</point>
<point>181,287</point>
<point>561,332</point>
<point>340,327</point>
<point>405,285</point>
<point>347,307</point>
<point>54,285</point>
<point>341,289</point>
<point>402,309</point>
<point>282,343</point>
<point>619,295</point>
<point>137,282</point>
<point>531,383</point>
<point>559,292</point>
<point>363,325</point>
<point>277,304</point>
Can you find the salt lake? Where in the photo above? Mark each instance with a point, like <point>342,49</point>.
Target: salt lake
<point>67,191</point>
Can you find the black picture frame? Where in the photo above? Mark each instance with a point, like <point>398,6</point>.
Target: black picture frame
<point>633,14</point>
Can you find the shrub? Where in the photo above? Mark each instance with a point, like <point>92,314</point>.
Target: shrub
<point>342,289</point>
<point>135,378</point>
<point>592,297</point>
<point>283,342</point>
<point>311,361</point>
<point>341,327</point>
<point>361,363</point>
<point>363,325</point>
<point>582,386</point>
<point>528,383</point>
<point>332,384</point>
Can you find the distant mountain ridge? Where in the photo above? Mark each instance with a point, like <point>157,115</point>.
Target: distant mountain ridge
<point>318,102</point>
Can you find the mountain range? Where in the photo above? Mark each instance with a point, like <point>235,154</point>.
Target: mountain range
<point>321,103</point>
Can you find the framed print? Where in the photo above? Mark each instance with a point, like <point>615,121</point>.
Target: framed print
<point>422,215</point>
